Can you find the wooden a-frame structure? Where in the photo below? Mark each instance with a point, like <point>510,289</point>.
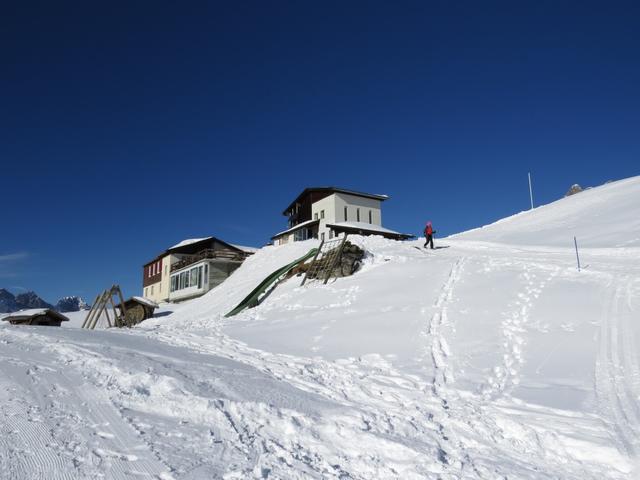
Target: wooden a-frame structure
<point>101,305</point>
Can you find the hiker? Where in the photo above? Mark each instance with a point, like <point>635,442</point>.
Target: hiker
<point>428,235</point>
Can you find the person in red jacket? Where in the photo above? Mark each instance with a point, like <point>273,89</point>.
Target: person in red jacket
<point>428,235</point>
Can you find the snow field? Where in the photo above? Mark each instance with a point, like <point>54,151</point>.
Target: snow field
<point>493,358</point>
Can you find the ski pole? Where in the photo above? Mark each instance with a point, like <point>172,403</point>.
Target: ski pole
<point>575,242</point>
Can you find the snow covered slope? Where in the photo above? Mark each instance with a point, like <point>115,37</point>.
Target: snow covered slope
<point>490,357</point>
<point>605,216</point>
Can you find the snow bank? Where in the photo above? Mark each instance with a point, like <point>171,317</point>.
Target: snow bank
<point>605,216</point>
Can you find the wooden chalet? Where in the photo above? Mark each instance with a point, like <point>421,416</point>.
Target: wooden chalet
<point>36,316</point>
<point>191,268</point>
<point>137,309</point>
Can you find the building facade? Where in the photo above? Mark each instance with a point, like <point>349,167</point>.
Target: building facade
<point>327,212</point>
<point>191,268</point>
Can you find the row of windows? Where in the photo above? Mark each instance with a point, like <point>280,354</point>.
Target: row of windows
<point>154,269</point>
<point>346,215</point>
<point>190,278</point>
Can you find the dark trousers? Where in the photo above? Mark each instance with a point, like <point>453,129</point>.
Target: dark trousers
<point>429,241</point>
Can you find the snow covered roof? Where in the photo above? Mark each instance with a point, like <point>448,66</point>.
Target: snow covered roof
<point>35,312</point>
<point>189,241</point>
<point>30,312</point>
<point>356,227</point>
<point>145,301</point>
<point>182,247</point>
<point>245,249</point>
<point>296,227</point>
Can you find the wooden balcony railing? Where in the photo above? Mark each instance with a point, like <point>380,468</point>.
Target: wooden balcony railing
<point>208,253</point>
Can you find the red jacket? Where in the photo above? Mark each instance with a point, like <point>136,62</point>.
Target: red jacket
<point>428,230</point>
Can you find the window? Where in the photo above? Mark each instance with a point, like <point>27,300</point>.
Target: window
<point>330,233</point>
<point>166,269</point>
<point>149,271</point>
<point>151,289</point>
<point>301,234</point>
<point>159,269</point>
<point>315,216</point>
<point>190,278</point>
<point>322,236</point>
<point>345,214</point>
<point>321,213</point>
<point>357,214</point>
<point>370,216</point>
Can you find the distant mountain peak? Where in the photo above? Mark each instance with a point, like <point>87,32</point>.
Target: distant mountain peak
<point>31,300</point>
<point>71,304</point>
<point>8,302</point>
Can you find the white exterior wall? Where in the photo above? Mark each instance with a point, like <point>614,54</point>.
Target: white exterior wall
<point>328,206</point>
<point>166,276</point>
<point>160,289</point>
<point>333,207</point>
<point>353,203</point>
<point>284,239</point>
<point>152,292</point>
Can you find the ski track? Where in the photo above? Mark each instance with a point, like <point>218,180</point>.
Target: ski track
<point>48,439</point>
<point>394,418</point>
<point>452,451</point>
<point>617,370</point>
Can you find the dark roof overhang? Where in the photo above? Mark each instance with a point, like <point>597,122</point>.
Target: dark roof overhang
<point>366,231</point>
<point>194,247</point>
<point>308,223</point>
<point>330,190</point>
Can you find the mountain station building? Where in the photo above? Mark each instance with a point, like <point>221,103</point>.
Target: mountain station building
<point>328,212</point>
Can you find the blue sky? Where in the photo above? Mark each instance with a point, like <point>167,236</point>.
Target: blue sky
<point>126,127</point>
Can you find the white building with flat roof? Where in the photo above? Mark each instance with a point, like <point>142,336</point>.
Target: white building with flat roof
<point>326,212</point>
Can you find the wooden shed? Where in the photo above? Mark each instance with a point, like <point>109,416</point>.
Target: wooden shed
<point>137,309</point>
<point>36,316</point>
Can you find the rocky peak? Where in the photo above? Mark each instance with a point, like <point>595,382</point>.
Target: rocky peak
<point>575,188</point>
<point>31,300</point>
<point>71,304</point>
<point>8,302</point>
